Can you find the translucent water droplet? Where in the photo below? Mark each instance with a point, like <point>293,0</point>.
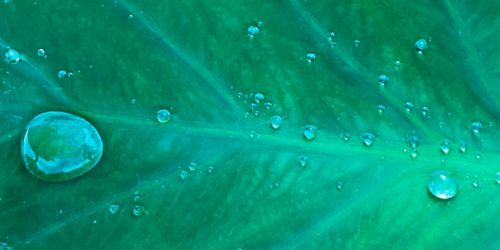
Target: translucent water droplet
<point>210,169</point>
<point>138,210</point>
<point>475,184</point>
<point>62,73</point>
<point>59,146</point>
<point>5,246</point>
<point>192,166</point>
<point>41,53</point>
<point>357,43</point>
<point>442,185</point>
<point>409,106</point>
<point>310,57</point>
<point>368,139</point>
<point>268,105</point>
<point>497,178</point>
<point>462,147</point>
<point>476,127</point>
<point>276,121</point>
<point>137,197</point>
<point>309,132</point>
<point>252,134</point>
<point>113,209</point>
<point>425,111</point>
<point>252,31</point>
<point>94,222</point>
<point>413,153</point>
<point>303,160</point>
<point>477,155</point>
<point>183,174</point>
<point>397,64</point>
<point>130,16</point>
<point>445,147</point>
<point>339,185</point>
<point>413,141</point>
<point>383,80</point>
<point>331,39</point>
<point>421,45</point>
<point>163,116</point>
<point>345,136</point>
<point>12,56</point>
<point>380,109</point>
<point>258,97</point>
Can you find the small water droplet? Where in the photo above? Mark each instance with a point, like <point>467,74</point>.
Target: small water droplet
<point>137,197</point>
<point>345,136</point>
<point>477,155</point>
<point>310,57</point>
<point>183,174</point>
<point>331,39</point>
<point>268,105</point>
<point>383,80</point>
<point>41,53</point>
<point>445,147</point>
<point>309,132</point>
<point>252,134</point>
<point>339,185</point>
<point>442,185</point>
<point>380,109</point>
<point>258,97</point>
<point>5,246</point>
<point>497,178</point>
<point>475,184</point>
<point>409,106</point>
<point>413,141</point>
<point>210,169</point>
<point>62,73</point>
<point>303,160</point>
<point>12,56</point>
<point>113,208</point>
<point>138,210</point>
<point>192,166</point>
<point>397,64</point>
<point>368,139</point>
<point>462,147</point>
<point>163,116</point>
<point>421,45</point>
<point>476,127</point>
<point>252,31</point>
<point>276,121</point>
<point>425,111</point>
<point>413,153</point>
<point>357,43</point>
<point>133,101</point>
<point>130,16</point>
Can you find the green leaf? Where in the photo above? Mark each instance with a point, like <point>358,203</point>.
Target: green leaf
<point>131,58</point>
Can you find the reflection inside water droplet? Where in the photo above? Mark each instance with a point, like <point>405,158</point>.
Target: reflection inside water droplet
<point>442,185</point>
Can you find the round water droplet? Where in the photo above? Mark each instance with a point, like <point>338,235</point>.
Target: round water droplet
<point>183,174</point>
<point>252,31</point>
<point>462,147</point>
<point>310,57</point>
<point>357,43</point>
<point>303,160</point>
<point>113,209</point>
<point>442,185</point>
<point>475,184</point>
<point>163,116</point>
<point>445,147</point>
<point>5,246</point>
<point>276,121</point>
<point>413,141</point>
<point>413,153</point>
<point>258,97</point>
<point>339,185</point>
<point>309,132</point>
<point>425,111</point>
<point>58,146</point>
<point>421,45</point>
<point>40,52</point>
<point>476,127</point>
<point>210,169</point>
<point>62,73</point>
<point>138,210</point>
<point>380,109</point>
<point>346,136</point>
<point>383,80</point>
<point>12,56</point>
<point>368,139</point>
<point>192,166</point>
<point>497,178</point>
<point>409,106</point>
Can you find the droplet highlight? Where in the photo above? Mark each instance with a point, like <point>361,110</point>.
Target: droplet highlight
<point>163,116</point>
<point>12,56</point>
<point>309,132</point>
<point>442,185</point>
<point>276,121</point>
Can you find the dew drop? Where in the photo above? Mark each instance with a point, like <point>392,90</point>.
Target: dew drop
<point>5,246</point>
<point>137,197</point>
<point>462,147</point>
<point>345,136</point>
<point>7,2</point>
<point>303,160</point>
<point>163,116</point>
<point>192,166</point>
<point>62,73</point>
<point>12,56</point>
<point>58,146</point>
<point>445,147</point>
<point>258,97</point>
<point>421,45</point>
<point>383,80</point>
<point>252,31</point>
<point>310,57</point>
<point>425,111</point>
<point>497,178</point>
<point>475,184</point>
<point>210,169</point>
<point>41,53</point>
<point>442,185</point>
<point>409,106</point>
<point>357,43</point>
<point>413,141</point>
<point>476,127</point>
<point>477,155</point>
<point>339,185</point>
<point>138,210</point>
<point>276,121</point>
<point>380,109</point>
<point>368,139</point>
<point>113,209</point>
<point>309,132</point>
<point>413,153</point>
<point>183,174</point>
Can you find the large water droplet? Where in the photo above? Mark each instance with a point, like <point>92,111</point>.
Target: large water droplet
<point>442,185</point>
<point>252,31</point>
<point>309,132</point>
<point>58,146</point>
<point>276,121</point>
<point>421,45</point>
<point>258,97</point>
<point>368,139</point>
<point>62,73</point>
<point>383,80</point>
<point>12,56</point>
<point>163,116</point>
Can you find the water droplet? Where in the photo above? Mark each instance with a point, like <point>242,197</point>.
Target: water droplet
<point>94,222</point>
<point>477,155</point>
<point>41,53</point>
<point>183,174</point>
<point>445,147</point>
<point>137,197</point>
<point>380,109</point>
<point>346,136</point>
<point>497,178</point>
<point>268,105</point>
<point>252,31</point>
<point>6,2</point>
<point>413,141</point>
<point>368,139</point>
<point>357,43</point>
<point>192,166</point>
<point>331,39</point>
<point>425,111</point>
<point>339,185</point>
<point>442,185</point>
<point>113,209</point>
<point>5,246</point>
<point>310,57</point>
<point>133,101</point>
<point>130,16</point>
<point>462,147</point>
<point>476,127</point>
<point>276,121</point>
<point>62,73</point>
<point>12,56</point>
<point>421,45</point>
<point>303,160</point>
<point>163,116</point>
<point>252,134</point>
<point>383,80</point>
<point>413,153</point>
<point>475,184</point>
<point>409,106</point>
<point>258,97</point>
<point>210,169</point>
<point>138,210</point>
<point>59,146</point>
<point>397,64</point>
<point>309,132</point>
